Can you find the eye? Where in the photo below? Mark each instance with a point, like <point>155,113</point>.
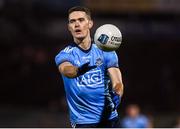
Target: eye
<point>72,21</point>
<point>81,19</point>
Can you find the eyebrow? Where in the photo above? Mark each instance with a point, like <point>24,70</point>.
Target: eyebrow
<point>81,18</point>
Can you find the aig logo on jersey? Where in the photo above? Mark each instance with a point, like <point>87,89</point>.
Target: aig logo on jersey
<point>92,78</point>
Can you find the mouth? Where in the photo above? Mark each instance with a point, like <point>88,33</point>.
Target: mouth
<point>77,31</point>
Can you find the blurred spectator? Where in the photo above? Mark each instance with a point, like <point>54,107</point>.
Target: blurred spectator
<point>134,119</point>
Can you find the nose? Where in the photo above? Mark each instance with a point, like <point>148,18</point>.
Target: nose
<point>76,23</point>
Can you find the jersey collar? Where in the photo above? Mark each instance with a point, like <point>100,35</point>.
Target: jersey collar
<point>85,51</point>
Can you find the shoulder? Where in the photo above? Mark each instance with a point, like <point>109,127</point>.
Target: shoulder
<point>64,55</point>
<point>94,46</point>
<point>104,52</point>
<point>110,55</point>
<point>66,50</point>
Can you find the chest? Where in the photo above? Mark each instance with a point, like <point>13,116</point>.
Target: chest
<point>94,57</point>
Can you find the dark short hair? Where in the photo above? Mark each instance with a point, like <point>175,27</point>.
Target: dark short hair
<point>80,8</point>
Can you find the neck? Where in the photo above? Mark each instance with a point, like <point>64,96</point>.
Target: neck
<point>84,43</point>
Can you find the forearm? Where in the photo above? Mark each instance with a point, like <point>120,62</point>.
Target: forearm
<point>70,71</point>
<point>116,80</point>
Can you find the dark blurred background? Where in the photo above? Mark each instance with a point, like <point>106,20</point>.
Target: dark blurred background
<point>32,32</point>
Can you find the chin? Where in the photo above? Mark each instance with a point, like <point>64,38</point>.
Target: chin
<point>80,37</point>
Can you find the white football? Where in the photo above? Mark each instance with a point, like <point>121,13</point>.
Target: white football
<point>108,37</point>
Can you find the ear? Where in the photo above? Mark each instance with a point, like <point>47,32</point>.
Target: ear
<point>90,24</point>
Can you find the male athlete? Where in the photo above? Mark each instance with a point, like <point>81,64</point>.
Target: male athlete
<point>87,72</point>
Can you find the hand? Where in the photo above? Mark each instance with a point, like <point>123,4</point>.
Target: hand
<point>116,99</point>
<point>84,68</point>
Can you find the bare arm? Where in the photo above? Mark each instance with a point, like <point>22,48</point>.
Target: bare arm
<point>116,79</point>
<point>68,70</point>
<point>71,71</point>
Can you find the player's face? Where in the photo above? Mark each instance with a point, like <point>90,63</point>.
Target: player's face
<point>79,24</point>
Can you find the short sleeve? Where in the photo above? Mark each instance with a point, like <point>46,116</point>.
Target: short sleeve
<point>63,57</point>
<point>111,59</point>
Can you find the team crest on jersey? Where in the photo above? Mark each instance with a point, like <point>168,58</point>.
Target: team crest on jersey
<point>99,62</point>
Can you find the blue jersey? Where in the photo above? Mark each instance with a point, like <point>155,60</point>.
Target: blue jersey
<point>88,95</point>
